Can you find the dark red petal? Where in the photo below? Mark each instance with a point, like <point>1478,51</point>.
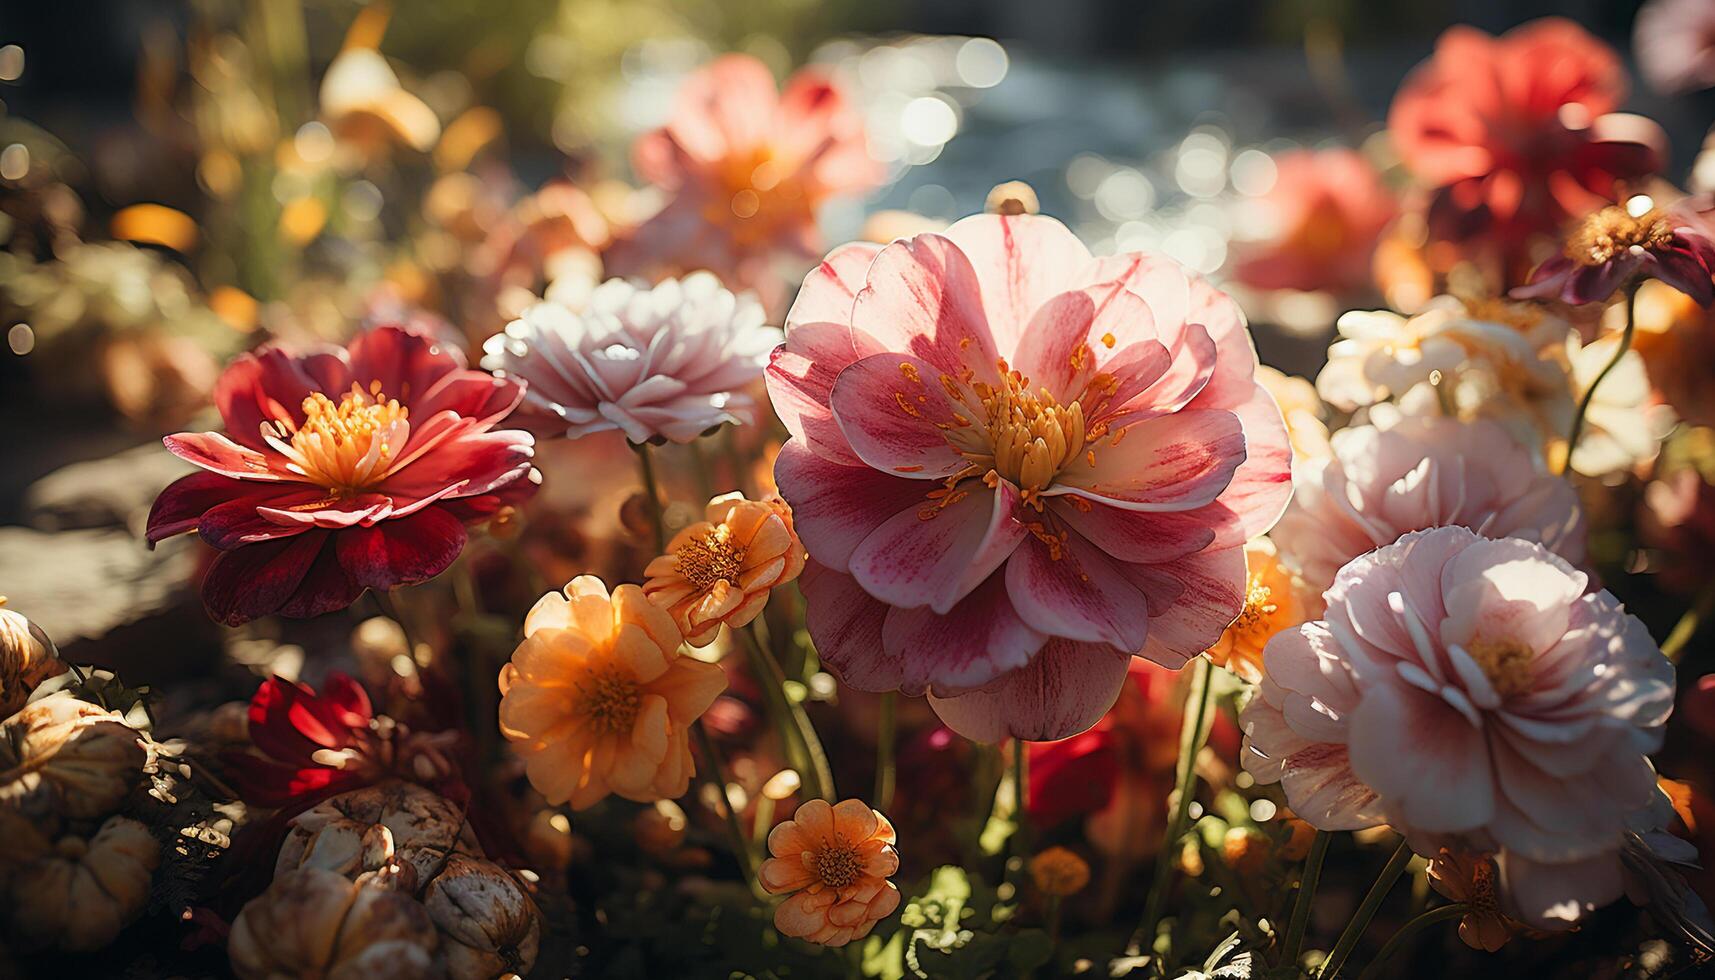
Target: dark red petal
<point>272,384</point>
<point>1071,777</point>
<point>258,579</point>
<point>182,504</point>
<point>271,727</point>
<point>327,586</point>
<point>349,696</point>
<point>472,394</point>
<point>403,551</point>
<point>406,362</point>
<point>235,523</point>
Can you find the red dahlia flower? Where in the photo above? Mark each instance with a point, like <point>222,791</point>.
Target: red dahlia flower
<point>342,470</point>
<point>1515,134</point>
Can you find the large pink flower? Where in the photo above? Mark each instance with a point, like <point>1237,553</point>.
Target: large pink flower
<point>1471,694</point>
<point>1516,135</point>
<point>747,166</point>
<point>1423,471</point>
<point>1015,465</point>
<point>342,470</point>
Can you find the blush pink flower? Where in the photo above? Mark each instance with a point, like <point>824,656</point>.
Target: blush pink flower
<point>746,166</point>
<point>1421,472</point>
<point>1473,695</point>
<point>343,470</point>
<point>1516,135</point>
<point>1675,45</point>
<point>1326,211</point>
<point>1015,465</point>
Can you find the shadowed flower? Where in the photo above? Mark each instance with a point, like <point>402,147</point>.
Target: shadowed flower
<point>1059,872</point>
<point>1516,135</point>
<point>836,861</point>
<point>1625,423</point>
<point>1324,214</point>
<point>721,569</point>
<point>342,470</point>
<point>1015,465</point>
<point>1607,250</point>
<point>1675,45</point>
<point>659,363</point>
<point>1422,472</point>
<point>1274,601</point>
<point>1301,409</point>
<point>747,167</point>
<point>598,700</point>
<point>1470,878</point>
<point>1473,695</point>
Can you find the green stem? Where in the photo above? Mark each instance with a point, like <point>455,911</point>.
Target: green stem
<point>716,776</point>
<point>1590,393</point>
<point>1190,745</point>
<point>887,727</point>
<point>1687,626</point>
<point>652,490</point>
<point>793,719</point>
<point>1020,793</point>
<point>1354,930</point>
<point>1307,882</point>
<point>1409,932</point>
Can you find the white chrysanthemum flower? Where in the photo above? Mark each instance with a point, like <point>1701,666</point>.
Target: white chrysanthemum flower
<point>1623,427</point>
<point>666,362</point>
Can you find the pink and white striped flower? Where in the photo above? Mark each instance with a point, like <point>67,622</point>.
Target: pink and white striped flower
<point>1015,465</point>
<point>1473,695</point>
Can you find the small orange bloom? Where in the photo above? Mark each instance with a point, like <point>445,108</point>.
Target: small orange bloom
<point>836,859</point>
<point>1058,872</point>
<point>1470,878</point>
<point>598,700</point>
<point>1273,602</point>
<point>721,570</point>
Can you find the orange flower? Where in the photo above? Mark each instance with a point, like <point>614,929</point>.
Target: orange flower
<point>1470,878</point>
<point>1273,602</point>
<point>1058,872</point>
<point>598,700</point>
<point>837,860</point>
<point>722,569</point>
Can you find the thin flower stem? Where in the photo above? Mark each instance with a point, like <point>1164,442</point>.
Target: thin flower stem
<point>1190,746</point>
<point>1407,933</point>
<point>794,718</point>
<point>1020,792</point>
<point>716,776</point>
<point>1354,930</point>
<point>1590,393</point>
<point>652,490</point>
<point>1686,628</point>
<point>887,730</point>
<point>1300,920</point>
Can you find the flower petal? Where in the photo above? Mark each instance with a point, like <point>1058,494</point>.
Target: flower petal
<point>1066,688</point>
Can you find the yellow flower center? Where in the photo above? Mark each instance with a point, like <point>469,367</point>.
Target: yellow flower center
<point>837,864</point>
<point>711,558</point>
<point>1613,231</point>
<point>346,447</point>
<point>610,700</point>
<point>1506,663</point>
<point>1259,606</point>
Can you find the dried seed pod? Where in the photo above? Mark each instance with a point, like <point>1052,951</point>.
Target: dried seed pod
<point>81,893</point>
<point>316,923</point>
<point>489,926</point>
<point>26,659</point>
<point>66,759</point>
<point>349,848</point>
<point>424,828</point>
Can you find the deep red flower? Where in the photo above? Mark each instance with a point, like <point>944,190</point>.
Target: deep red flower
<point>310,746</point>
<point>1609,248</point>
<point>343,470</point>
<point>1516,134</point>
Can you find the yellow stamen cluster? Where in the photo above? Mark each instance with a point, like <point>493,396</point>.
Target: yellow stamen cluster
<point>1613,231</point>
<point>610,700</point>
<point>1506,663</point>
<point>1259,606</point>
<point>346,447</point>
<point>711,558</point>
<point>837,864</point>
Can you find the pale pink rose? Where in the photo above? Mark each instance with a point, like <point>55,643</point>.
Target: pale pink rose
<point>1015,465</point>
<point>1379,483</point>
<point>1470,693</point>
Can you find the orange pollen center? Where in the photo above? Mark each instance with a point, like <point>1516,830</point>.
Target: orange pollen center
<point>1506,663</point>
<point>1613,231</point>
<point>711,558</point>
<point>610,700</point>
<point>837,864</point>
<point>1259,606</point>
<point>346,447</point>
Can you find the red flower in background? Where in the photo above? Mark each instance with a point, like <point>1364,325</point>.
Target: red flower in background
<point>316,745</point>
<point>342,470</point>
<point>1324,214</point>
<point>1516,134</point>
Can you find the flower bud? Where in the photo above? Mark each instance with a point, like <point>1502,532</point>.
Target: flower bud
<point>26,659</point>
<point>1012,198</point>
<point>489,927</point>
<point>1058,872</point>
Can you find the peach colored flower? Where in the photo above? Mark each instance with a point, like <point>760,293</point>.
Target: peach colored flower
<point>1325,212</point>
<point>1274,601</point>
<point>836,861</point>
<point>1015,465</point>
<point>1470,878</point>
<point>598,700</point>
<point>1380,483</point>
<point>1472,694</point>
<point>1300,407</point>
<point>721,569</point>
<point>1059,872</point>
